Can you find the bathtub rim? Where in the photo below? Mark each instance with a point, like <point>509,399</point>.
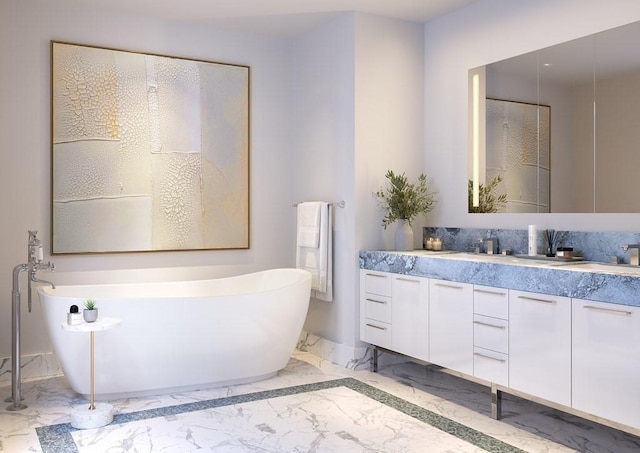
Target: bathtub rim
<point>51,292</point>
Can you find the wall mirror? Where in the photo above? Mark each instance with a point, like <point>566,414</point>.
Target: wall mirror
<point>558,129</point>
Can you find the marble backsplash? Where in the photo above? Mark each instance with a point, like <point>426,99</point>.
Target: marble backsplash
<point>592,246</point>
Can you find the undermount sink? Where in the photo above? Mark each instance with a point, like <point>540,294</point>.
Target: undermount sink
<point>430,252</point>
<point>620,269</point>
<point>497,258</point>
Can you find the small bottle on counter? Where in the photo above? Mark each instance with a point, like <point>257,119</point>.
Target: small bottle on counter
<point>533,240</point>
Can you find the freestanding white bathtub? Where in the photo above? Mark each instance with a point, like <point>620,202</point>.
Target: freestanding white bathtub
<point>178,336</point>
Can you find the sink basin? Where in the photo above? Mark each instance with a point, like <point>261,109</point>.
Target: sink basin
<point>505,259</point>
<point>620,269</point>
<point>430,252</point>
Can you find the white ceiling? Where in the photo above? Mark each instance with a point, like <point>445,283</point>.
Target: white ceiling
<point>275,17</point>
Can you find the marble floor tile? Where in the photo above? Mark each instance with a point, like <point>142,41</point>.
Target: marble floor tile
<point>310,406</point>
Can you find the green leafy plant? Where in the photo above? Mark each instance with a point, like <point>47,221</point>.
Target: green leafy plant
<point>489,201</point>
<point>90,304</point>
<point>404,201</point>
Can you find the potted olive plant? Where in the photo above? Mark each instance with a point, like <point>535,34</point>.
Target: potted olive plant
<point>90,312</point>
<point>402,201</point>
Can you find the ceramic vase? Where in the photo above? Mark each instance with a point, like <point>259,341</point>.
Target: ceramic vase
<point>404,236</point>
<point>90,315</point>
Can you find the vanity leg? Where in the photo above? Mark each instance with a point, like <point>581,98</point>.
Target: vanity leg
<point>496,402</point>
<point>92,405</point>
<point>374,360</point>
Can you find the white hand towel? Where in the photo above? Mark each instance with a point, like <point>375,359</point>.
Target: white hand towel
<point>318,259</point>
<point>308,226</point>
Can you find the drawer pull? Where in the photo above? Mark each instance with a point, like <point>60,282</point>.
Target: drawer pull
<point>444,285</point>
<point>489,357</point>
<point>407,280</point>
<point>495,293</point>
<point>608,310</point>
<point>535,299</point>
<point>376,275</point>
<point>376,301</point>
<point>489,325</point>
<point>376,327</point>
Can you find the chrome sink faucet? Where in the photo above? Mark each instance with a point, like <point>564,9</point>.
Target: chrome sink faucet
<point>634,253</point>
<point>491,246</point>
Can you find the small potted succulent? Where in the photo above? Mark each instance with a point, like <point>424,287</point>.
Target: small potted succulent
<point>90,312</point>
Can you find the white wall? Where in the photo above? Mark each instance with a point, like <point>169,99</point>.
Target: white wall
<point>484,32</point>
<point>322,162</point>
<point>389,119</point>
<point>26,28</point>
<point>357,96</point>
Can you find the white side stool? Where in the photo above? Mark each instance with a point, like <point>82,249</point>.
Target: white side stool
<point>97,414</point>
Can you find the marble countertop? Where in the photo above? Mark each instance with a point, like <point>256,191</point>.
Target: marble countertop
<point>584,280</point>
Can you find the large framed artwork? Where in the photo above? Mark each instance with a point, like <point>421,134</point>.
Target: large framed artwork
<point>149,152</point>
<point>518,144</point>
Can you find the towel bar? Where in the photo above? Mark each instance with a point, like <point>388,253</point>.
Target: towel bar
<point>339,204</point>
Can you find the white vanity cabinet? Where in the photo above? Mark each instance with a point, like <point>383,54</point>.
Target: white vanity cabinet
<point>375,308</point>
<point>394,312</point>
<point>540,345</point>
<point>606,360</point>
<point>451,325</point>
<point>410,315</point>
<point>491,334</point>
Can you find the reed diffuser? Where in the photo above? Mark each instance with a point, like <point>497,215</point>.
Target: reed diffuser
<point>551,240</point>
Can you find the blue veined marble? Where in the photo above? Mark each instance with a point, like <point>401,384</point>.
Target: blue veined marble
<point>592,246</point>
<point>619,289</point>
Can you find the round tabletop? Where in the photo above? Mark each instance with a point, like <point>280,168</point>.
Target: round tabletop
<point>99,324</point>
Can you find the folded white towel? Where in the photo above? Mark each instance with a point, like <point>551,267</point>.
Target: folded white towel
<point>308,228</point>
<point>316,257</point>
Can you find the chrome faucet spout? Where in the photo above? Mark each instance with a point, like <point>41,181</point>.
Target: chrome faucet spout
<point>34,279</point>
<point>634,253</point>
<point>491,245</point>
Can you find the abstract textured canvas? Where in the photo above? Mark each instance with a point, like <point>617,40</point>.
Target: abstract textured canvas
<point>518,149</point>
<point>149,152</point>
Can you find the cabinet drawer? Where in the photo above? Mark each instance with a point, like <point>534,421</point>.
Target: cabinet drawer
<point>377,283</point>
<point>491,366</point>
<point>491,333</point>
<point>377,307</point>
<point>377,333</point>
<point>490,301</point>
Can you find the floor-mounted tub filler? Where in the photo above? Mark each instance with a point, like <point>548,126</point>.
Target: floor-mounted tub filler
<point>178,336</point>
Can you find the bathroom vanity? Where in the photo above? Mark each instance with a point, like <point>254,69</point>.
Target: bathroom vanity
<point>564,334</point>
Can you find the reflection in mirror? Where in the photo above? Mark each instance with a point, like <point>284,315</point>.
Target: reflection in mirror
<point>517,152</point>
<point>583,159</point>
